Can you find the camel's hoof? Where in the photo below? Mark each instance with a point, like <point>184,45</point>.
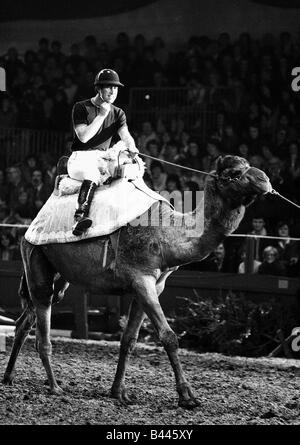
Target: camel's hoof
<point>56,391</point>
<point>122,396</point>
<point>7,380</point>
<point>188,404</point>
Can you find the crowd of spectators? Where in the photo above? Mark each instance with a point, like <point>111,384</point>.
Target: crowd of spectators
<point>257,116</point>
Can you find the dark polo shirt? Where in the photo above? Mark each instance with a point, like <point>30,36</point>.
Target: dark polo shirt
<point>84,112</point>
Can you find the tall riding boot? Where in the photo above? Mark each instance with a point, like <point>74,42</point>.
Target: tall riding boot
<point>82,222</point>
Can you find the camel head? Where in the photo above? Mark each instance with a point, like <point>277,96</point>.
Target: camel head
<point>238,182</point>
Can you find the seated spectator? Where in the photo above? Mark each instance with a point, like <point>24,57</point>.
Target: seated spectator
<point>253,114</point>
<point>216,262</point>
<point>173,183</point>
<point>284,122</point>
<point>61,111</point>
<point>242,265</point>
<point>3,189</point>
<point>192,156</point>
<point>161,54</point>
<point>47,104</point>
<point>177,126</point>
<point>209,161</point>
<point>184,142</point>
<point>173,187</point>
<point>288,250</point>
<point>268,156</point>
<point>229,140</point>
<point>43,49</point>
<point>243,150</point>
<point>75,58</point>
<point>254,141</point>
<point>41,191</point>
<point>271,264</point>
<point>152,149</point>
<point>70,88</point>
<point>159,80</point>
<point>158,176</point>
<point>4,213</point>
<point>165,139</point>
<point>48,167</point>
<point>29,165</point>
<point>171,154</point>
<point>23,212</point>
<point>292,167</point>
<point>160,127</point>
<point>12,63</point>
<point>279,178</point>
<point>146,135</point>
<point>219,130</point>
<point>29,111</point>
<point>8,112</point>
<point>52,70</point>
<point>16,184</point>
<point>57,53</point>
<point>8,247</point>
<point>30,58</point>
<point>259,229</point>
<point>256,161</point>
<point>281,142</point>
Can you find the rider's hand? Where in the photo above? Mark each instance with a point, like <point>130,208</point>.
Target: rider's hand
<point>133,151</point>
<point>104,109</point>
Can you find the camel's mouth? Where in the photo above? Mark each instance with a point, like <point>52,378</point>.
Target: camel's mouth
<point>259,181</point>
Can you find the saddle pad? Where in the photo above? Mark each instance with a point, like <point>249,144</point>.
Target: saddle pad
<point>113,206</point>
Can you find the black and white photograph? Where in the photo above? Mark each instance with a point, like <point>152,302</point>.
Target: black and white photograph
<point>150,215</point>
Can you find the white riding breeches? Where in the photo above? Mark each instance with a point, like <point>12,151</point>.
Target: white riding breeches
<point>85,165</point>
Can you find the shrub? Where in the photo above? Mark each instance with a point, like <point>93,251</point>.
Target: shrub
<point>234,324</point>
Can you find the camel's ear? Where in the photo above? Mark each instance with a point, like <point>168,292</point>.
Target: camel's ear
<point>219,165</point>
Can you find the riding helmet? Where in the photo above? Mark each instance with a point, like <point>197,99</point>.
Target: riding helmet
<point>107,77</point>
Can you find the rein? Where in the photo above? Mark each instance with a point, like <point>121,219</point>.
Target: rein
<point>272,192</point>
<point>178,165</point>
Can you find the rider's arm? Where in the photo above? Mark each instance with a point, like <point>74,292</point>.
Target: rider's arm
<point>127,139</point>
<point>85,131</point>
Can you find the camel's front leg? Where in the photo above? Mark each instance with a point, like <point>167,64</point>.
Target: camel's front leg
<point>147,293</point>
<point>128,342</point>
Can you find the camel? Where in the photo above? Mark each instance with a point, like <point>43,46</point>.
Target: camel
<point>145,258</point>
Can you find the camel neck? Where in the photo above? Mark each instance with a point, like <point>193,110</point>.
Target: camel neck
<point>212,221</point>
<point>220,220</point>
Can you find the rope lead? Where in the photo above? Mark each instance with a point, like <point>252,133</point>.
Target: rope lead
<point>273,192</point>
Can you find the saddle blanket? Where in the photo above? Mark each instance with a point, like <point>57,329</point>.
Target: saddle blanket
<point>113,206</point>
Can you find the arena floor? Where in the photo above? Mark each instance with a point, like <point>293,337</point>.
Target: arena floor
<point>232,390</point>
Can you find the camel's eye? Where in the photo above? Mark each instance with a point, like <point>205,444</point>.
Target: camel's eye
<point>233,174</point>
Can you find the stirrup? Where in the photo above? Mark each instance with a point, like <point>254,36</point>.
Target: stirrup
<point>81,226</point>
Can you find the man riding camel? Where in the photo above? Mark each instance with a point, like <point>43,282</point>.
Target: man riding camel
<point>95,121</point>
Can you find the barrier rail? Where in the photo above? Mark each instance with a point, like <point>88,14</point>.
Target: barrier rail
<point>236,235</point>
<point>17,143</point>
<point>249,246</point>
